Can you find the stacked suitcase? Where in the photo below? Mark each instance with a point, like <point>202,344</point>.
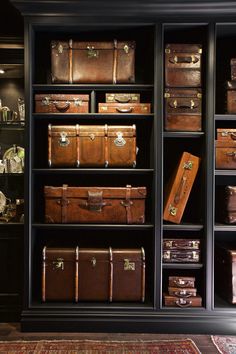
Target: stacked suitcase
<point>181,250</point>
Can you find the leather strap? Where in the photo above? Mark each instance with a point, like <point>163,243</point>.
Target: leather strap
<point>70,61</point>
<point>77,274</point>
<point>128,204</point>
<point>49,145</point>
<point>106,145</point>
<point>64,203</point>
<point>143,273</point>
<point>115,57</point>
<point>77,144</point>
<point>111,275</point>
<point>44,275</point>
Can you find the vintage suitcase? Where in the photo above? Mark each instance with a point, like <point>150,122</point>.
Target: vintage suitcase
<point>61,103</point>
<point>225,271</point>
<point>193,301</point>
<point>114,205</point>
<point>186,244</point>
<point>233,69</point>
<point>225,154</point>
<point>179,188</point>
<point>183,65</point>
<point>226,134</point>
<point>123,97</point>
<point>60,274</point>
<point>226,204</point>
<point>183,109</point>
<point>91,145</point>
<point>185,292</point>
<point>181,282</point>
<point>114,107</point>
<point>181,256</point>
<point>93,62</point>
<point>231,96</point>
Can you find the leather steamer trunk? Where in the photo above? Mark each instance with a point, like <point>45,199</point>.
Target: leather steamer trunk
<point>179,188</point>
<point>183,65</point>
<point>60,274</point>
<point>114,107</point>
<point>225,271</point>
<point>181,282</point>
<point>181,243</point>
<point>61,103</point>
<point>224,134</point>
<point>231,96</point>
<point>91,146</point>
<point>225,154</point>
<point>183,110</point>
<point>123,97</point>
<point>95,204</point>
<point>112,274</point>
<point>93,62</point>
<point>175,301</point>
<point>186,292</point>
<point>181,256</point>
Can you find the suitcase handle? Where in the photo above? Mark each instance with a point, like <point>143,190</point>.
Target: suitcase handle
<point>233,154</point>
<point>183,283</point>
<point>183,302</point>
<point>192,59</point>
<point>62,106</point>
<point>183,294</point>
<point>186,105</point>
<point>233,136</point>
<point>94,206</point>
<point>124,110</point>
<point>122,99</point>
<point>180,191</point>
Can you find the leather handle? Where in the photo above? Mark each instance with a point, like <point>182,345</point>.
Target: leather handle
<point>94,206</point>
<point>183,303</point>
<point>62,106</point>
<point>181,245</point>
<point>122,99</point>
<point>233,153</point>
<point>183,105</point>
<point>183,283</point>
<point>180,191</point>
<point>178,293</point>
<point>124,110</point>
<point>192,59</point>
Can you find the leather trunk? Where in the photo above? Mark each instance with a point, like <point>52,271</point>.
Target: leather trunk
<point>181,256</point>
<point>176,244</point>
<point>181,282</point>
<point>184,293</point>
<point>225,271</point>
<point>175,301</point>
<point>226,204</point>
<point>226,134</point>
<point>123,97</point>
<point>233,69</point>
<point>113,205</point>
<point>183,65</point>
<point>61,103</point>
<point>225,154</point>
<point>93,62</point>
<point>179,187</point>
<point>231,97</point>
<point>115,107</point>
<point>60,268</point>
<point>183,110</point>
<point>91,146</point>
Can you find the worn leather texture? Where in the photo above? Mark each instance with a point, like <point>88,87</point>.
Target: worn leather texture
<point>114,107</point>
<point>95,204</point>
<point>225,154</point>
<point>175,301</point>
<point>183,110</point>
<point>93,62</point>
<point>181,282</point>
<point>183,65</point>
<point>60,280</point>
<point>91,146</point>
<point>61,103</point>
<point>179,187</point>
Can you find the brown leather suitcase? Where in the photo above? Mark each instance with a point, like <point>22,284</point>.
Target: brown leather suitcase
<point>60,274</point>
<point>123,97</point>
<point>183,65</point>
<point>181,282</point>
<point>226,134</point>
<point>91,145</point>
<point>175,244</point>
<point>175,301</point>
<point>226,204</point>
<point>114,107</point>
<point>233,69</point>
<point>181,256</point>
<point>185,292</point>
<point>93,62</point>
<point>61,103</point>
<point>183,110</point>
<point>225,271</point>
<point>179,188</point>
<point>114,205</point>
<point>225,154</point>
<point>231,96</point>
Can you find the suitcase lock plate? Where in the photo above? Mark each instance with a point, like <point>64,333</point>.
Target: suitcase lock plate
<point>63,141</point>
<point>92,53</point>
<point>172,210</point>
<point>46,101</point>
<point>95,201</point>
<point>129,265</point>
<point>58,264</point>
<point>188,165</point>
<point>93,262</point>
<point>119,141</point>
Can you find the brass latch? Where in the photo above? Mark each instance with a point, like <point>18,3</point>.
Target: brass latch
<point>46,101</point>
<point>58,264</point>
<point>188,165</point>
<point>93,262</point>
<point>126,48</point>
<point>92,53</point>
<point>172,210</point>
<point>63,141</point>
<point>128,265</point>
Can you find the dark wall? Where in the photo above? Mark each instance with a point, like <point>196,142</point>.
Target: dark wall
<point>11,21</point>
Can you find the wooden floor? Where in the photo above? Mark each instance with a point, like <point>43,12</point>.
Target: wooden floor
<point>11,331</point>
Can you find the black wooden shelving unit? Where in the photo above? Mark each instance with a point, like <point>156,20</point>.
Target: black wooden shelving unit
<point>152,25</point>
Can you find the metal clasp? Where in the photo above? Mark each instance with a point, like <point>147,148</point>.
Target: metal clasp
<point>60,49</point>
<point>92,53</point>
<point>128,265</point>
<point>119,141</point>
<point>46,101</point>
<point>126,48</point>
<point>172,210</point>
<point>93,262</point>
<point>63,141</point>
<point>59,264</point>
<point>188,165</point>
<point>77,102</point>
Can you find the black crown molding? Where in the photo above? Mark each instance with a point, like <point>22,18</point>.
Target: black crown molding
<point>140,9</point>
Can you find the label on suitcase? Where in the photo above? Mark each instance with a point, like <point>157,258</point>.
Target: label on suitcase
<point>61,103</point>
<point>181,256</point>
<point>181,282</point>
<point>185,292</point>
<point>92,145</point>
<point>175,244</point>
<point>183,65</point>
<point>123,97</point>
<point>183,302</point>
<point>121,205</point>
<point>93,62</point>
<point>225,154</point>
<point>114,107</point>
<point>183,110</point>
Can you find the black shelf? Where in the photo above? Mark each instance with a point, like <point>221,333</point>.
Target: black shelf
<point>93,170</point>
<point>182,266</point>
<point>118,306</point>
<point>91,87</point>
<point>183,227</point>
<point>225,117</point>
<point>9,224</point>
<point>93,226</point>
<point>2,175</point>
<point>183,134</point>
<point>225,172</point>
<point>94,116</point>
<point>14,127</point>
<point>225,228</point>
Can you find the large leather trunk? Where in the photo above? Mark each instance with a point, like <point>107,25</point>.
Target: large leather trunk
<point>175,301</point>
<point>225,271</point>
<point>93,62</point>
<point>114,205</point>
<point>181,243</point>
<point>226,134</point>
<point>231,96</point>
<point>91,146</point>
<point>60,274</point>
<point>61,103</point>
<point>181,256</point>
<point>181,282</point>
<point>225,154</point>
<point>233,68</point>
<point>183,65</point>
<point>183,110</point>
<point>123,97</point>
<point>179,188</point>
<point>226,204</point>
<point>115,107</point>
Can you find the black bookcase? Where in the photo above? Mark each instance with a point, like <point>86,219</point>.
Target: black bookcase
<point>151,26</point>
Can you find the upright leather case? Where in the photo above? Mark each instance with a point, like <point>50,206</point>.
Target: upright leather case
<point>60,274</point>
<point>231,96</point>
<point>91,146</point>
<point>61,103</point>
<point>183,110</point>
<point>114,107</point>
<point>93,62</point>
<point>225,154</point>
<point>95,204</point>
<point>183,65</point>
<point>179,187</point>
<point>226,204</point>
